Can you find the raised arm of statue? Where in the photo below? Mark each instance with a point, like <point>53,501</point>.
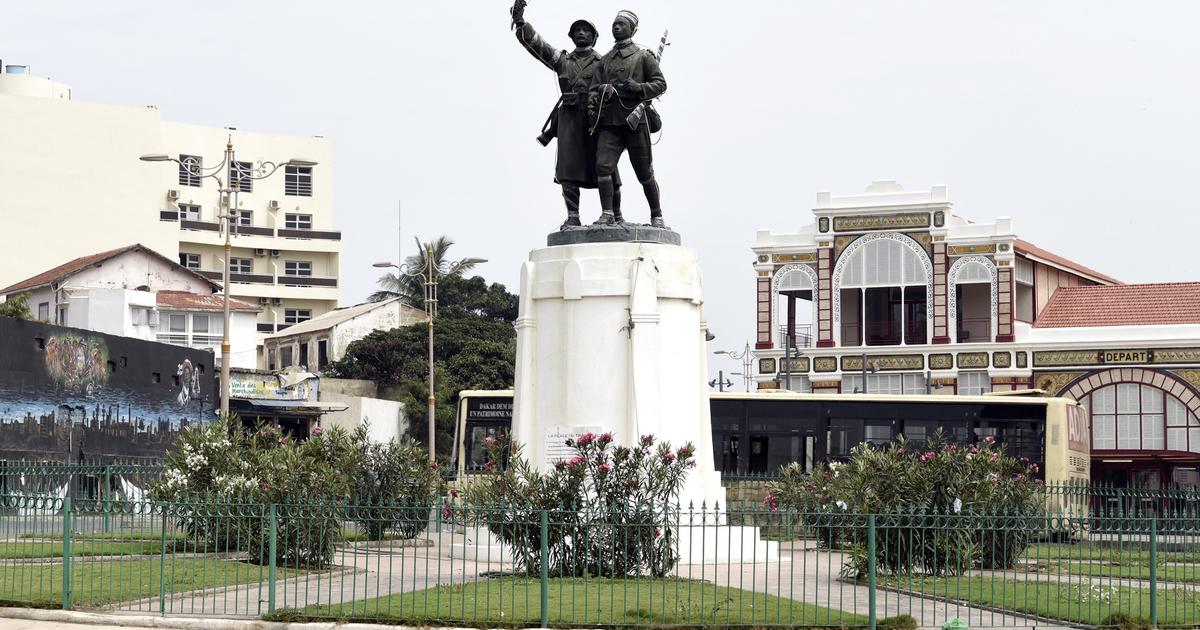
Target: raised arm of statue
<point>531,41</point>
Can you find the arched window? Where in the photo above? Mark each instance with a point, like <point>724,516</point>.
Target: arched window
<point>1138,417</point>
<point>882,282</point>
<point>972,304</point>
<point>795,305</point>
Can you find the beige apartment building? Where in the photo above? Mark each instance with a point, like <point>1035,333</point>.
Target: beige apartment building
<point>73,185</point>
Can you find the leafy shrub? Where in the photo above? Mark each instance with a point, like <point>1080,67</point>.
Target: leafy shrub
<point>220,482</point>
<point>611,511</point>
<point>394,484</point>
<point>941,509</point>
<point>899,622</point>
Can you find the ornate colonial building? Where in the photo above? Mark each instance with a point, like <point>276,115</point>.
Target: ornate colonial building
<point>890,292</point>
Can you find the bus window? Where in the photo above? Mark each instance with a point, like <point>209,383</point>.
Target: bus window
<point>727,434</point>
<point>476,452</point>
<point>777,431</point>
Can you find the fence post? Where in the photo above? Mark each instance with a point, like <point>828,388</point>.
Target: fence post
<point>273,525</point>
<point>66,546</point>
<point>1154,572</point>
<point>162,560</point>
<point>545,603</point>
<point>871,571</point>
<point>106,497</point>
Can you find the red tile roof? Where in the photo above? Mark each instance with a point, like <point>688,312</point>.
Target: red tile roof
<point>185,301</point>
<point>1029,249</point>
<point>1122,305</point>
<point>83,262</point>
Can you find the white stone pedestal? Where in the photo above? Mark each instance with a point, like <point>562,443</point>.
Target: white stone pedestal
<point>610,337</point>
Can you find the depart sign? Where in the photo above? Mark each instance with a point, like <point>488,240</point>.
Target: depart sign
<point>1110,357</point>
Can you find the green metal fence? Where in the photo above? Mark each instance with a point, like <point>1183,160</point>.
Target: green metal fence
<point>739,566</point>
<point>79,480</point>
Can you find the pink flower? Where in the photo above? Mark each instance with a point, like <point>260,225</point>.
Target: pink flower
<point>454,493</point>
<point>585,439</point>
<point>988,438</point>
<point>446,511</point>
<point>605,438</point>
<point>1019,477</point>
<point>281,440</point>
<point>1033,468</point>
<point>489,441</point>
<point>771,502</point>
<point>263,486</point>
<point>995,456</point>
<point>560,464</point>
<point>316,430</point>
<point>657,532</point>
<point>576,461</point>
<point>686,451</point>
<point>647,439</point>
<point>604,468</point>
<point>668,457</point>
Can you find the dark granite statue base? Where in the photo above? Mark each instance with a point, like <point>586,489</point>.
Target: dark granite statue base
<point>619,233</point>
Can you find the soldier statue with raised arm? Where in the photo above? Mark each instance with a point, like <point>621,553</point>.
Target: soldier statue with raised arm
<point>575,167</point>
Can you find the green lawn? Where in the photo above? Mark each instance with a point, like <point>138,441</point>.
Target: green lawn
<point>1089,602</point>
<point>82,548</point>
<point>584,602</point>
<point>98,583</point>
<point>1188,573</point>
<point>1128,553</point>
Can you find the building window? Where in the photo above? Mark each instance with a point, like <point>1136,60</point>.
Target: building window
<point>297,221</point>
<point>196,330</point>
<point>893,384</point>
<point>297,181</point>
<point>285,357</point>
<point>883,298</point>
<point>304,354</point>
<point>62,314</point>
<point>239,177</point>
<point>973,303</point>
<point>322,352</point>
<point>189,170</point>
<point>243,217</point>
<point>240,265</point>
<point>270,358</point>
<point>44,312</point>
<point>974,383</point>
<point>189,212</point>
<point>191,261</point>
<point>1025,295</point>
<point>1135,417</point>
<point>297,268</point>
<point>296,315</point>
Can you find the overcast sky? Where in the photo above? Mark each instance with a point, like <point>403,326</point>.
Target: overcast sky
<point>1077,119</point>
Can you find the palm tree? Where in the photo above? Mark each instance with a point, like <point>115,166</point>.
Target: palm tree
<point>411,288</point>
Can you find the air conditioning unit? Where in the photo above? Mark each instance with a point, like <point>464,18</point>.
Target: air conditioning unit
<point>263,300</point>
<point>277,301</point>
<point>152,319</point>
<point>273,205</point>
<point>172,195</point>
<point>260,252</point>
<point>274,253</point>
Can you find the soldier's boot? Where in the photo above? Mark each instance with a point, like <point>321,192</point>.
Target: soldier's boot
<point>570,194</point>
<point>617,205</point>
<point>604,184</point>
<point>650,186</point>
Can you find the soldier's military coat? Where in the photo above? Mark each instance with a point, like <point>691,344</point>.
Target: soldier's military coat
<point>639,67</point>
<point>576,163</point>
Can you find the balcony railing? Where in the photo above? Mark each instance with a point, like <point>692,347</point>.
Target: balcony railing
<point>884,333</point>
<point>306,281</point>
<point>801,335</point>
<point>266,278</point>
<point>168,215</point>
<point>250,230</point>
<point>974,329</point>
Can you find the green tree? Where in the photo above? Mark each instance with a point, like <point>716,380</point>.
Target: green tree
<point>411,288</point>
<point>16,306</point>
<point>474,347</point>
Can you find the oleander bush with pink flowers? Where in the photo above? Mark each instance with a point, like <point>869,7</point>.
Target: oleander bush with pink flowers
<point>940,508</point>
<point>612,511</point>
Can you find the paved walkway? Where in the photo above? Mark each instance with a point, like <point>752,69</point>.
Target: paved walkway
<point>802,573</point>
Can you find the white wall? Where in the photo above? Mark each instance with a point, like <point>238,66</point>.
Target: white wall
<point>386,417</point>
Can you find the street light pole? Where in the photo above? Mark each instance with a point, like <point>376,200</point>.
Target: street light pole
<point>428,273</point>
<point>227,189</point>
<point>745,358</point>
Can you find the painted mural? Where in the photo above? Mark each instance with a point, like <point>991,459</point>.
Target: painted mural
<point>74,395</point>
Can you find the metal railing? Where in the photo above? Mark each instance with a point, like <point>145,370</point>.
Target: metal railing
<point>516,564</point>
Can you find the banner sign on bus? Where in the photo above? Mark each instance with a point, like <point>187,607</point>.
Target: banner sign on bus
<point>1077,429</point>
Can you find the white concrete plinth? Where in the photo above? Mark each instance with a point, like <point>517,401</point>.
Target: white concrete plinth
<point>610,337</point>
<point>479,545</point>
<point>724,544</point>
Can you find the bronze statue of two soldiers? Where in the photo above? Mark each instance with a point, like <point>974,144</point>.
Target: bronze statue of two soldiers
<point>592,120</point>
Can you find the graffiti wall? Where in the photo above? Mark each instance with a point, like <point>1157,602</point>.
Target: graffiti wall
<point>71,395</point>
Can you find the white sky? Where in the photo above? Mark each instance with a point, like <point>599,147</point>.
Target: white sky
<point>1077,119</point>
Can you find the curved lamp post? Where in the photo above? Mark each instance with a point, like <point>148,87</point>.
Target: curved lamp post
<point>429,271</point>
<point>228,188</point>
<point>745,358</point>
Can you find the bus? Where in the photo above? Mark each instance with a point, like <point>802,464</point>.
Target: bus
<point>754,434</point>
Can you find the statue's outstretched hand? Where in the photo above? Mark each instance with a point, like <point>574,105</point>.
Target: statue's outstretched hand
<point>518,13</point>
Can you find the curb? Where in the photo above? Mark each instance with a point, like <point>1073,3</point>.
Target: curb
<point>188,623</point>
